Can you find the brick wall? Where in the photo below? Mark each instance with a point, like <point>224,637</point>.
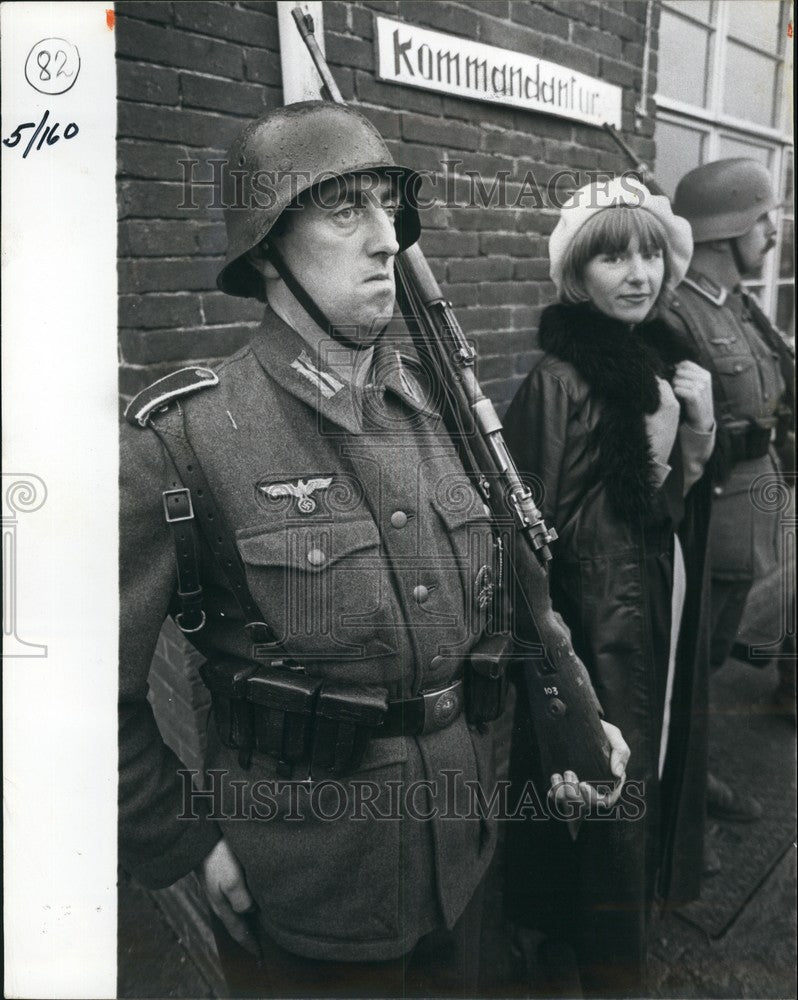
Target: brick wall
<point>189,74</point>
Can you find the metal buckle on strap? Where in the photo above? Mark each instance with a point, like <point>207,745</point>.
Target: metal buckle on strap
<point>183,628</point>
<point>181,508</point>
<point>442,707</point>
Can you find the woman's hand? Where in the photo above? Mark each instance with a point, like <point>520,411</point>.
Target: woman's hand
<point>692,386</point>
<point>567,788</point>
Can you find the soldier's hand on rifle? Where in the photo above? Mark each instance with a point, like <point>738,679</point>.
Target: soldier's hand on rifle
<point>228,895</point>
<point>692,386</point>
<point>566,788</point>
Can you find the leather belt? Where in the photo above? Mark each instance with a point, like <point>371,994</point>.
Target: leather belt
<point>750,442</point>
<point>426,713</point>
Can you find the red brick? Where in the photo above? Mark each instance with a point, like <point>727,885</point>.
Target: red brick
<point>197,343</point>
<point>506,293</point>
<point>393,7</point>
<point>373,91</point>
<point>142,82</point>
<point>535,15</point>
<point>451,244</point>
<point>168,47</point>
<point>223,20</point>
<point>451,18</point>
<point>179,275</point>
<point>533,269</point>
<point>145,10</point>
<point>152,160</point>
<point>509,244</point>
<point>336,17</point>
<point>346,50</point>
<point>461,295</point>
<point>480,269</point>
<point>619,73</point>
<point>622,25</point>
<point>151,311</point>
<point>194,128</point>
<point>496,8</point>
<point>246,99</point>
<point>440,134</point>
<point>162,238</point>
<point>362,22</point>
<point>523,144</point>
<point>599,41</point>
<point>583,60</point>
<point>488,319</point>
<point>386,122</point>
<point>263,67</point>
<point>513,36</point>
<point>220,309</point>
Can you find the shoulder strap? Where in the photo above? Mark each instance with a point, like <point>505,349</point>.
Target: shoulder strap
<point>166,390</point>
<point>214,529</point>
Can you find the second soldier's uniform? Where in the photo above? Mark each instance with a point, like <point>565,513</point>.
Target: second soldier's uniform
<point>727,328</point>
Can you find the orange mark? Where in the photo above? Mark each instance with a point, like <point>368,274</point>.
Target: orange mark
<point>789,30</point>
<point>110,19</point>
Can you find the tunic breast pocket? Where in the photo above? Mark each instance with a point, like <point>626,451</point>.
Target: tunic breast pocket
<point>740,381</point>
<point>320,586</point>
<point>472,564</point>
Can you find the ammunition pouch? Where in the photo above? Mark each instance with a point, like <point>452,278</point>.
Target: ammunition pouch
<point>486,680</point>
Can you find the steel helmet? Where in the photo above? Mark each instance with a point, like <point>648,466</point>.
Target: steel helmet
<point>286,152</point>
<point>722,200</point>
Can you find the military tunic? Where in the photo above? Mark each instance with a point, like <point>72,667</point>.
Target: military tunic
<point>748,389</point>
<point>367,551</point>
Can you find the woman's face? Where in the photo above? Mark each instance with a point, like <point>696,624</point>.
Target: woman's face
<point>625,284</point>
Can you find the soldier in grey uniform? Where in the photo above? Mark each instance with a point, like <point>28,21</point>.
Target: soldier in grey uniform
<point>729,204</point>
<point>303,514</point>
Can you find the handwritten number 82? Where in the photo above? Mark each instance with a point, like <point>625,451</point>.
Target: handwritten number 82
<point>43,59</point>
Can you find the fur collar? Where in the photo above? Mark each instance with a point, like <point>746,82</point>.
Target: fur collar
<point>620,364</point>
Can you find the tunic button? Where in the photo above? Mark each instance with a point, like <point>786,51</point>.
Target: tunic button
<point>420,593</point>
<point>738,368</point>
<point>436,663</point>
<point>398,519</point>
<point>316,557</point>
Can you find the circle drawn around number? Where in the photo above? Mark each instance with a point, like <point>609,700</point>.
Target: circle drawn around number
<point>52,66</point>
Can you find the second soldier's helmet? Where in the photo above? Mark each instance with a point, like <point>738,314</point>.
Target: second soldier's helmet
<point>286,152</point>
<point>722,200</point>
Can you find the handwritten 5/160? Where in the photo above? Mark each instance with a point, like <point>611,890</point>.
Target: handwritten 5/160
<point>48,134</point>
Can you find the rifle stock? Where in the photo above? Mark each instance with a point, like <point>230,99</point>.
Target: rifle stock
<point>638,166</point>
<point>564,708</point>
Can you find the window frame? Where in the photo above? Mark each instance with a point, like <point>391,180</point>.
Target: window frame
<point>715,123</point>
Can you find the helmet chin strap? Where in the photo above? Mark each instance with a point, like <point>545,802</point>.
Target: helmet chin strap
<point>307,302</point>
<point>739,263</point>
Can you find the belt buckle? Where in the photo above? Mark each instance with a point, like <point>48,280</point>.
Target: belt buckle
<point>442,707</point>
<point>185,510</point>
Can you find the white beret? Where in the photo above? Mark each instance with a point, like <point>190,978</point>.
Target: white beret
<point>593,198</point>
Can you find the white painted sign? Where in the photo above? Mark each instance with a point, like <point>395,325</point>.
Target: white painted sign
<point>432,60</point>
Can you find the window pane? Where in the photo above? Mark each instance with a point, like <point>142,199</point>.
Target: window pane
<point>700,9</point>
<point>679,149</point>
<point>785,310</point>
<point>756,22</point>
<point>749,87</point>
<point>732,146</point>
<point>682,59</point>
<point>787,258</point>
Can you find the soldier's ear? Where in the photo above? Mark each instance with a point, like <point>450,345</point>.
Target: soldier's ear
<point>258,257</point>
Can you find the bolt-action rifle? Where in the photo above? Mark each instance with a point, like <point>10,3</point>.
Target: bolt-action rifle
<point>563,705</point>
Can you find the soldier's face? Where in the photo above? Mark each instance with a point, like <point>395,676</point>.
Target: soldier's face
<point>625,285</point>
<point>341,246</point>
<point>753,247</point>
